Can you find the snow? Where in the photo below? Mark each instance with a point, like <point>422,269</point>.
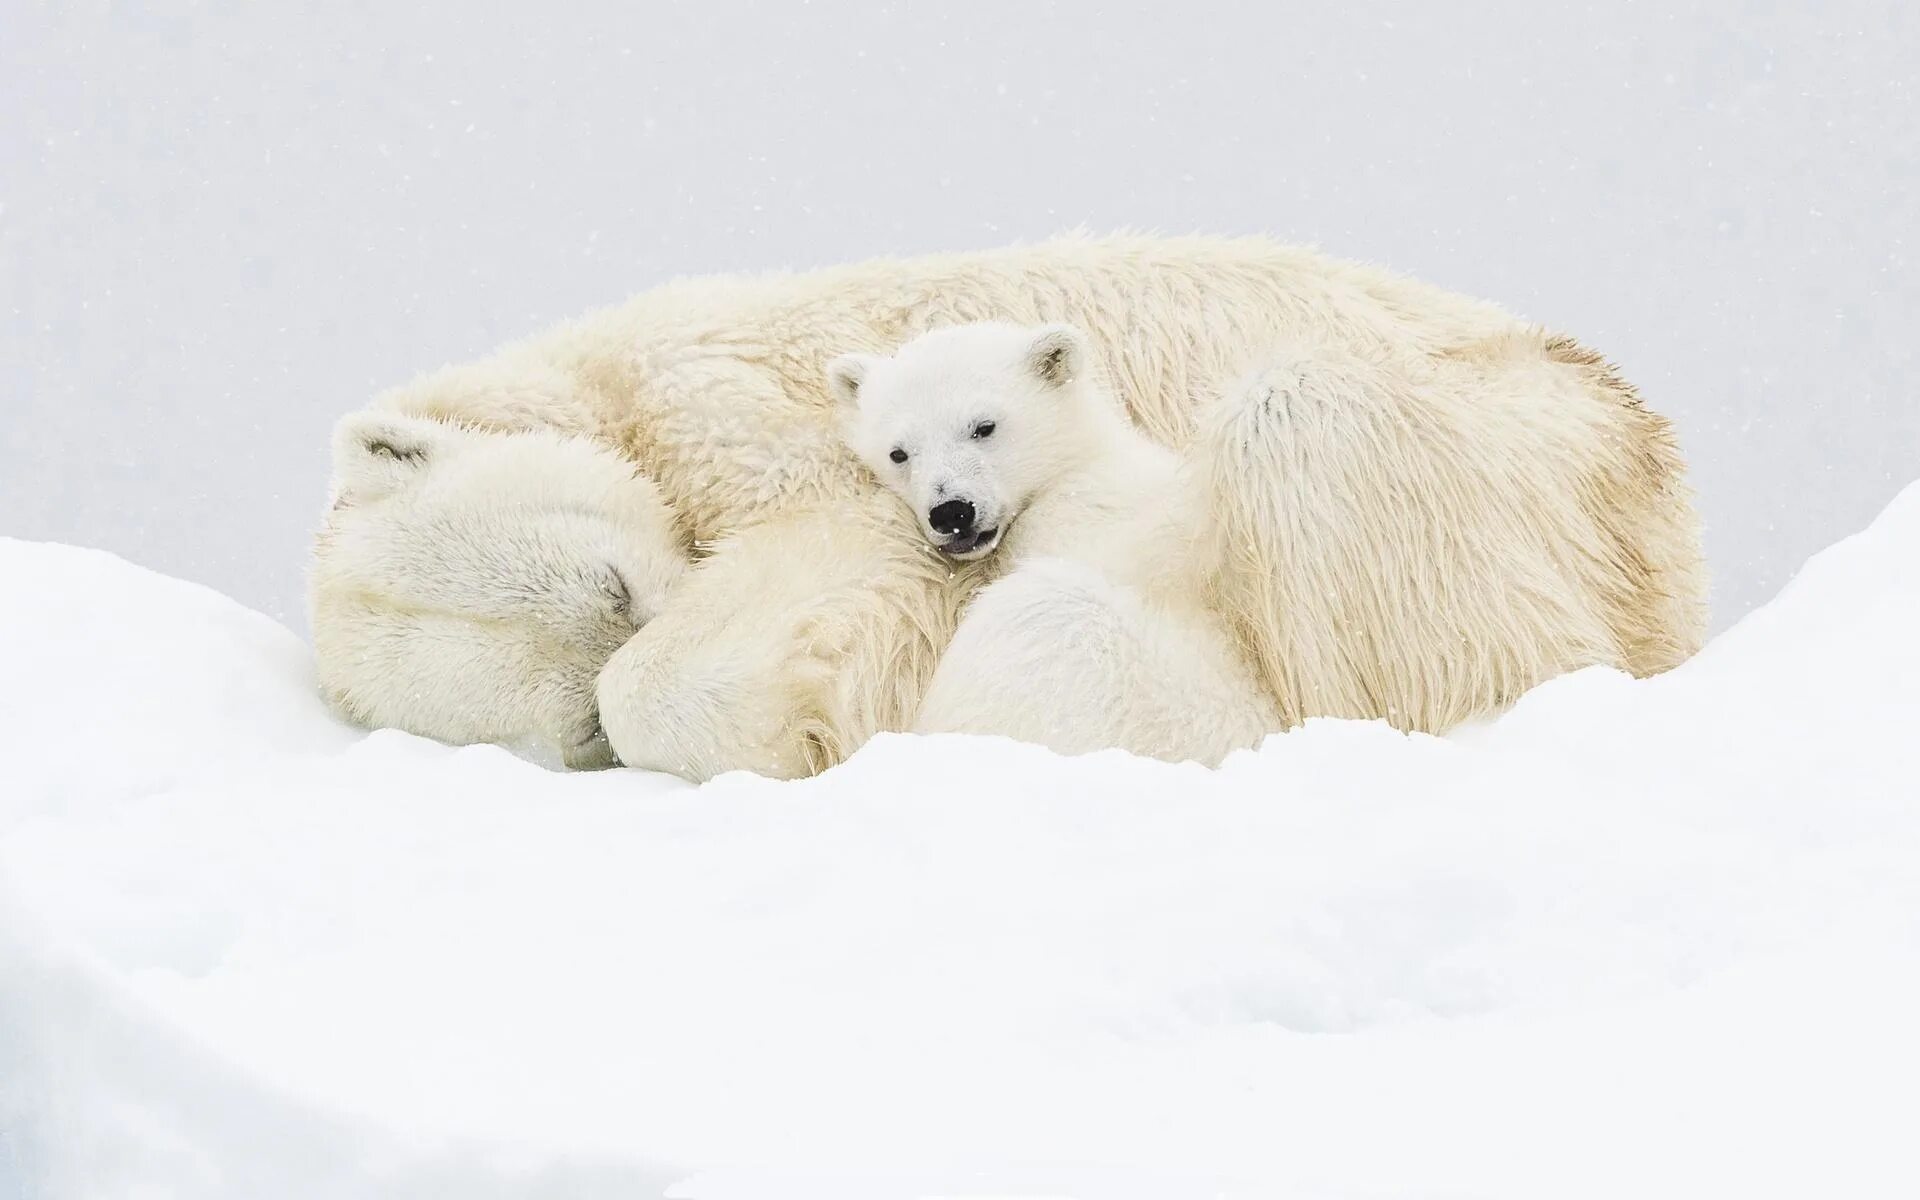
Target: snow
<point>1656,938</point>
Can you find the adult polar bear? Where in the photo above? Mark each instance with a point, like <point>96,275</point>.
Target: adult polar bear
<point>1459,506</point>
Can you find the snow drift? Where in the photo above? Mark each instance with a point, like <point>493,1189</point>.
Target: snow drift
<point>1654,938</point>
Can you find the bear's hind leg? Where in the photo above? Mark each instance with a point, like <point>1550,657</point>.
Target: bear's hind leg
<point>1399,538</point>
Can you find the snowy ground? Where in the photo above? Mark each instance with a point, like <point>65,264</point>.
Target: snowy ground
<point>1635,939</point>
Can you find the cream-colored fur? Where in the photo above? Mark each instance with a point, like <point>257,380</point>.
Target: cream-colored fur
<point>1101,636</point>
<point>471,586</point>
<point>1435,535</point>
<point>816,615</point>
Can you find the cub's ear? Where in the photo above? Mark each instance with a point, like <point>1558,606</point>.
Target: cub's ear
<point>377,453</point>
<point>846,375</point>
<point>1058,355</point>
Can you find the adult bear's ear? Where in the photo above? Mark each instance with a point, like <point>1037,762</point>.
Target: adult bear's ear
<point>377,453</point>
<point>845,375</point>
<point>1057,355</point>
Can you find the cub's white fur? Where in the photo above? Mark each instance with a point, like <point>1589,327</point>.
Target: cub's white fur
<point>1101,636</point>
<point>1454,505</point>
<point>996,418</point>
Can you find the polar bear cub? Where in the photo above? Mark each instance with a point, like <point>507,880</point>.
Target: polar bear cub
<point>1002,441</point>
<point>995,432</point>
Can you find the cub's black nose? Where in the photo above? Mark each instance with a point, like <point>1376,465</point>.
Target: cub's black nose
<point>951,516</point>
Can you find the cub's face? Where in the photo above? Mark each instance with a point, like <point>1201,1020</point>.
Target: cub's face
<point>965,424</point>
<point>469,586</point>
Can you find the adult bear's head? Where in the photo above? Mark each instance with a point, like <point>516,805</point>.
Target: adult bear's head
<point>469,585</point>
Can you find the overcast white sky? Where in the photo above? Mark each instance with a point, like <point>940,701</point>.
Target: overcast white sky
<point>223,226</point>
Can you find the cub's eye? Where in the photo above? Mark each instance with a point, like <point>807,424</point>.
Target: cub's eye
<point>983,430</point>
<point>898,455</point>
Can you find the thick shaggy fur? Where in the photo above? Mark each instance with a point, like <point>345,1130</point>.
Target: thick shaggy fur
<point>816,615</point>
<point>1436,535</point>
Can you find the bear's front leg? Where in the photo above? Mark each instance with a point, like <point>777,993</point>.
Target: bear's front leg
<point>789,647</point>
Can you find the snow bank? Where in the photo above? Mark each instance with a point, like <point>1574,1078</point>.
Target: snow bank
<point>1635,938</point>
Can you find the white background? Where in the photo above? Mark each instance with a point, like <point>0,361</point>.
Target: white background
<point>222,226</point>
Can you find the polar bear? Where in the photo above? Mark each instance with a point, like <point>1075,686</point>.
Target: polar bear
<point>973,426</point>
<point>1002,439</point>
<point>1469,505</point>
<point>548,545</point>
